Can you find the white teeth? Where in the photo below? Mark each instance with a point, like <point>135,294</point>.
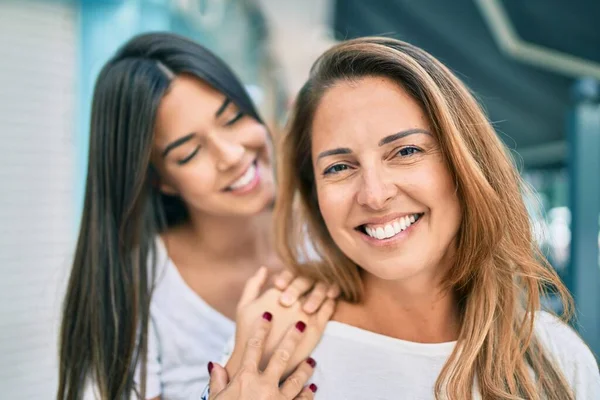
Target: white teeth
<point>391,229</point>
<point>244,179</point>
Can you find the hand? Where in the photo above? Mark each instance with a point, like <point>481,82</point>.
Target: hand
<point>294,287</point>
<point>252,383</point>
<point>251,307</point>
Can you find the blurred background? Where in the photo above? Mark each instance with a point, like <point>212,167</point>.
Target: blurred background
<point>535,65</point>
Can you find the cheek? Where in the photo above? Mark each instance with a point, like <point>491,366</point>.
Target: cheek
<point>194,181</point>
<point>255,135</point>
<point>438,193</point>
<point>335,201</point>
<point>432,184</point>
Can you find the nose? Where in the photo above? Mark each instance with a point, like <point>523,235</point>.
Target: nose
<point>228,153</point>
<point>376,189</point>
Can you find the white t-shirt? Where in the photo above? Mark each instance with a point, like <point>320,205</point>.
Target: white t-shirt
<point>185,333</point>
<point>355,364</point>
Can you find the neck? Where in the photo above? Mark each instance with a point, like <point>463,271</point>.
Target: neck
<point>417,311</point>
<point>234,238</point>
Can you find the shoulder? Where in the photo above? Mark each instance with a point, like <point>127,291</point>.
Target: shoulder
<point>560,339</point>
<point>569,351</point>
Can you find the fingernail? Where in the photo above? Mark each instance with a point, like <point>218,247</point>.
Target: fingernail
<point>301,326</point>
<point>311,361</point>
<point>309,308</point>
<point>313,388</point>
<point>280,282</point>
<point>286,299</point>
<point>268,316</point>
<point>210,367</point>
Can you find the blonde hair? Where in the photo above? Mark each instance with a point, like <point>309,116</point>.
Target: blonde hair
<point>499,273</point>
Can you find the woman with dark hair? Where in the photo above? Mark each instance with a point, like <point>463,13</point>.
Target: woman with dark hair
<point>177,218</point>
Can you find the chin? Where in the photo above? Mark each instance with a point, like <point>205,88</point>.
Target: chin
<point>393,270</point>
<point>256,206</point>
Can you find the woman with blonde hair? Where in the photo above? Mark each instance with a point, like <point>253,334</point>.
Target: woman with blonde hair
<point>416,209</point>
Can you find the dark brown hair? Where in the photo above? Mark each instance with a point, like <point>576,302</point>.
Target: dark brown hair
<point>106,309</point>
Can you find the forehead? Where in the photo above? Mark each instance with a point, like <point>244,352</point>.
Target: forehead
<point>189,103</point>
<point>370,107</point>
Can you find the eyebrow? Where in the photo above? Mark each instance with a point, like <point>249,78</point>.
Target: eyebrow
<point>177,142</point>
<point>384,141</point>
<point>402,134</point>
<point>223,107</point>
<point>334,152</point>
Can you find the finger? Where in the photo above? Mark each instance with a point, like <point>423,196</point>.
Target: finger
<point>283,353</point>
<point>256,344</point>
<point>334,291</point>
<point>308,393</point>
<point>316,298</point>
<point>294,384</point>
<point>283,280</point>
<point>297,288</point>
<point>326,312</point>
<point>253,287</point>
<point>218,378</point>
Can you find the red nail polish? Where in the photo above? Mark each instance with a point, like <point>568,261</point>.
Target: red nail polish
<point>313,388</point>
<point>268,316</point>
<point>311,361</point>
<point>210,367</point>
<point>301,326</point>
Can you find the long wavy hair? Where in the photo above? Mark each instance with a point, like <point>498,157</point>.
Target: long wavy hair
<point>499,272</point>
<point>103,334</point>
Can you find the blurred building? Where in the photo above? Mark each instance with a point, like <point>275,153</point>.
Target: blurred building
<point>535,66</point>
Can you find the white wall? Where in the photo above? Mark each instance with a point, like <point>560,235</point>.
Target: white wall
<point>37,227</point>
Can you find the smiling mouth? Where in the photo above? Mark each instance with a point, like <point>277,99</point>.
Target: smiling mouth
<point>245,179</point>
<point>389,229</point>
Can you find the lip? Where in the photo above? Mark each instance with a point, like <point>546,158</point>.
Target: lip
<point>394,240</point>
<point>238,176</point>
<point>388,218</point>
<point>248,187</point>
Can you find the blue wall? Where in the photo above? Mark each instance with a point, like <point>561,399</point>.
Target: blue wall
<point>104,26</point>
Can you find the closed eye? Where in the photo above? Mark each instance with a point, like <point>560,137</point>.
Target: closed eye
<point>335,169</point>
<point>408,151</point>
<point>189,157</point>
<point>235,119</point>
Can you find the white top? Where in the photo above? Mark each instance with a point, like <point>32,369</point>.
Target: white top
<point>185,333</point>
<point>353,363</point>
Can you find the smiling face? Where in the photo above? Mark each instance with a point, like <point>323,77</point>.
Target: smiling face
<point>384,190</point>
<point>209,153</point>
